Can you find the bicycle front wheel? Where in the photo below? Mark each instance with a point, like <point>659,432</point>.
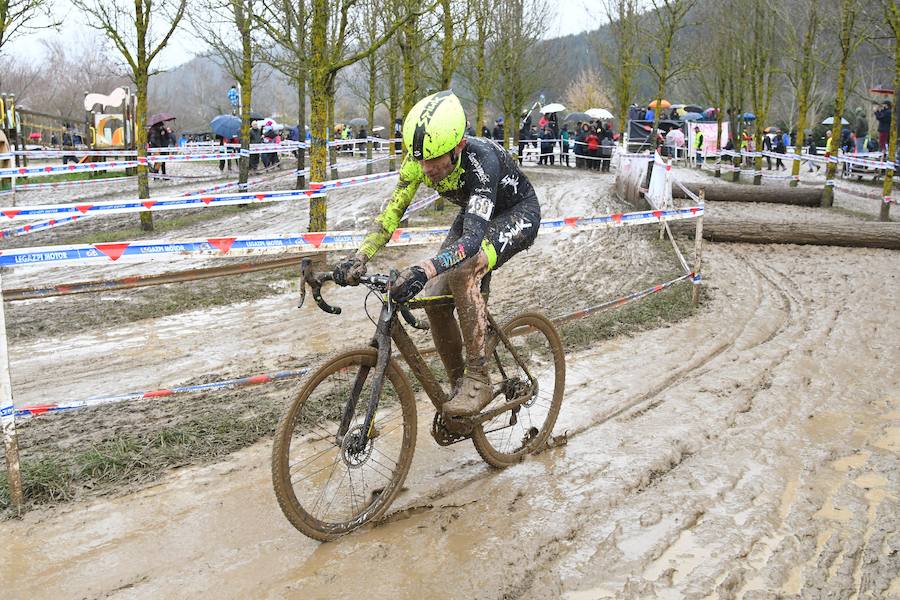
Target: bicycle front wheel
<point>329,479</point>
<point>508,437</point>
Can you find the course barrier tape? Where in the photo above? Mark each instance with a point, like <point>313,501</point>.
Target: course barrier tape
<point>182,202</point>
<point>354,164</point>
<point>304,242</point>
<point>53,223</point>
<point>111,165</point>
<point>39,409</point>
<point>58,184</point>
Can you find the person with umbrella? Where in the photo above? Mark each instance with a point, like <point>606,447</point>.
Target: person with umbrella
<point>883,116</point>
<point>160,136</point>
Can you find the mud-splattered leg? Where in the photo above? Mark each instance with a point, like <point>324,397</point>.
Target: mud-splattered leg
<point>444,330</point>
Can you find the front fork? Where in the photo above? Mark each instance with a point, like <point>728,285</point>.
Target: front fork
<point>381,341</point>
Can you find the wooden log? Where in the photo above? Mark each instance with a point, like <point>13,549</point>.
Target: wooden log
<point>859,234</point>
<point>754,193</point>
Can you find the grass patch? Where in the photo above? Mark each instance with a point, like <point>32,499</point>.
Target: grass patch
<point>79,176</point>
<point>45,481</point>
<point>112,464</point>
<point>657,310</point>
<point>160,225</point>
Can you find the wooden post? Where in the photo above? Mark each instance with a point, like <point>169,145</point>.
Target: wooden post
<point>698,246</point>
<point>8,420</point>
<point>369,164</point>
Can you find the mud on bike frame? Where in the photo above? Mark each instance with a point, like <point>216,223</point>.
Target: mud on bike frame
<point>388,329</point>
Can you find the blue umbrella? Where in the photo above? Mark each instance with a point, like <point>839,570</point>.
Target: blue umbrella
<point>748,116</point>
<point>692,116</point>
<point>227,126</point>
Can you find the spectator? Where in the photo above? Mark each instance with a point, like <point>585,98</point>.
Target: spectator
<point>592,143</point>
<point>363,134</point>
<point>565,136</point>
<point>470,131</point>
<point>498,131</point>
<point>255,138</point>
<point>883,116</point>
<point>581,146</point>
<point>781,140</point>
<point>813,150</point>
<point>524,136</point>
<point>159,137</point>
<point>767,147</point>
<point>698,145</point>
<point>606,149</point>
<point>648,116</point>
<point>547,144</point>
<point>485,132</point>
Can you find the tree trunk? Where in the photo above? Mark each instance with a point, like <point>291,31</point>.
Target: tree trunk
<point>335,151</point>
<point>863,234</point>
<point>246,98</point>
<point>140,141</point>
<point>447,50</point>
<point>370,109</point>
<point>742,193</point>
<point>847,20</point>
<point>301,127</point>
<point>885,213</point>
<point>318,88</point>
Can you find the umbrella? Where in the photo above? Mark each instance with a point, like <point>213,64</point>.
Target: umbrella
<point>675,137</point>
<point>358,122</point>
<point>34,135</point>
<point>748,116</point>
<point>692,116</point>
<point>689,108</point>
<point>709,112</point>
<point>882,90</point>
<point>256,116</point>
<point>160,118</point>
<point>830,121</point>
<point>769,130</point>
<point>599,113</point>
<point>377,129</point>
<point>662,104</point>
<point>227,126</point>
<point>555,107</point>
<point>577,116</point>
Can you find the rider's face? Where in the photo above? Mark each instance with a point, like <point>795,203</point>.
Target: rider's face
<point>436,169</point>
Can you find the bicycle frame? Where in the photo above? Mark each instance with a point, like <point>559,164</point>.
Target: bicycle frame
<point>389,329</point>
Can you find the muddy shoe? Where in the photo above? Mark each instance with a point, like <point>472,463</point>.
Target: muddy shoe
<point>473,395</point>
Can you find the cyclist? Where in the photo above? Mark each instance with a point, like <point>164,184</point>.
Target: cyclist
<point>499,217</point>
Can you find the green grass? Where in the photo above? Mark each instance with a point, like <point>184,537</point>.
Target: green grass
<point>79,176</point>
<point>160,225</point>
<point>657,310</point>
<point>45,481</point>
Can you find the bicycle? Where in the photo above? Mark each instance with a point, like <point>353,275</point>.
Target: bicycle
<point>338,463</point>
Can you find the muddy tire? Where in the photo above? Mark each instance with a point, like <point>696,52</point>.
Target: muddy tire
<point>508,438</point>
<point>327,489</point>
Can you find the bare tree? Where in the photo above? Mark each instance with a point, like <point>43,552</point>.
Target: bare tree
<point>139,32</point>
<point>848,41</point>
<point>478,70</point>
<point>586,92</point>
<point>519,25</point>
<point>621,60</point>
<point>763,68</point>
<point>286,23</point>
<point>227,28</point>
<point>666,63</point>
<point>18,17</point>
<point>892,18</point>
<point>328,55</point>
<point>801,71</point>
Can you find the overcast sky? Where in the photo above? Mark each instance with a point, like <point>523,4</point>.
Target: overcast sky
<point>573,16</point>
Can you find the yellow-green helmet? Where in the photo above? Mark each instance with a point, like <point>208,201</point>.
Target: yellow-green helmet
<point>434,126</point>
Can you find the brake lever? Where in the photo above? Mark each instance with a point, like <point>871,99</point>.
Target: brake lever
<point>315,284</point>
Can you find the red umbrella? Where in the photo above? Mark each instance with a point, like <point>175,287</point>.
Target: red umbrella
<point>880,90</point>
<point>160,118</point>
<point>34,135</point>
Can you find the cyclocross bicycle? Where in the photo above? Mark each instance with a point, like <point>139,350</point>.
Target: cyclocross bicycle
<point>345,444</point>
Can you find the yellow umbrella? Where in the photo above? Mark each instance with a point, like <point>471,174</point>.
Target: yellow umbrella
<point>662,104</point>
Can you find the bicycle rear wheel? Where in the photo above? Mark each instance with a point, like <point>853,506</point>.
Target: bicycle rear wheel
<point>328,485</point>
<point>508,437</point>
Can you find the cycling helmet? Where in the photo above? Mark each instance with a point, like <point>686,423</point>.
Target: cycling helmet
<point>434,126</point>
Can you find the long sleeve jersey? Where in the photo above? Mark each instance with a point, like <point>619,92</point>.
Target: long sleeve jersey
<point>485,182</point>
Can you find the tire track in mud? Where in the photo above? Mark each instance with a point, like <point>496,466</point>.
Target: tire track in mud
<point>779,286</point>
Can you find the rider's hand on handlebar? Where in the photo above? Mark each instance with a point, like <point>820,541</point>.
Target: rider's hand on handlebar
<point>409,283</point>
<point>349,270</point>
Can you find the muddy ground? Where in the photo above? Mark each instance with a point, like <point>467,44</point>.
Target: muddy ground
<point>746,450</point>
